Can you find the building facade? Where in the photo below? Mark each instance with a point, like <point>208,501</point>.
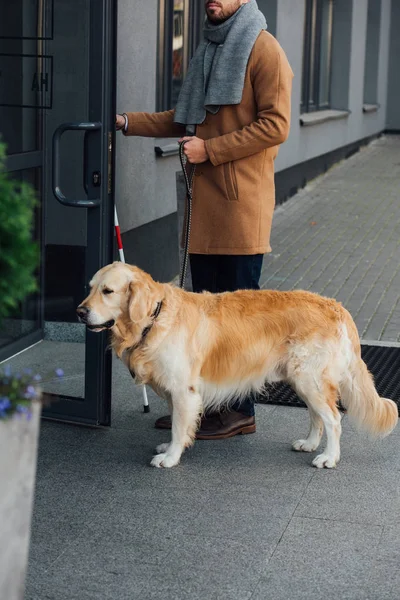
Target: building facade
<point>345,91</point>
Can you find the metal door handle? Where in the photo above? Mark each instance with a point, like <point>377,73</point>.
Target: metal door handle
<point>91,126</point>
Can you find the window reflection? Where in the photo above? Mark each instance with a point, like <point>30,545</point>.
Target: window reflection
<point>177,49</point>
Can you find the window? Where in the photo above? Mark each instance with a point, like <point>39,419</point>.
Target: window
<point>270,9</point>
<point>372,52</point>
<point>317,55</point>
<point>180,25</point>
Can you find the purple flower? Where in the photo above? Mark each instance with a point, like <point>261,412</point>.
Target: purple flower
<point>59,373</point>
<point>37,378</point>
<point>27,371</point>
<point>7,370</point>
<point>23,410</point>
<point>30,392</point>
<point>4,403</point>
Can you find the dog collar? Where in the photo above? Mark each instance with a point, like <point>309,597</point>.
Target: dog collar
<point>147,329</point>
<point>154,317</point>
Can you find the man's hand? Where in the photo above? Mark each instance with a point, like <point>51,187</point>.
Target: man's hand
<point>119,122</point>
<point>194,149</point>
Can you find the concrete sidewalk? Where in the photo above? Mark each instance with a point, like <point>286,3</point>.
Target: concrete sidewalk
<point>244,518</point>
<point>340,237</point>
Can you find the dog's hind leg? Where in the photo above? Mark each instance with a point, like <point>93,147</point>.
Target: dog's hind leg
<point>321,398</point>
<point>187,407</point>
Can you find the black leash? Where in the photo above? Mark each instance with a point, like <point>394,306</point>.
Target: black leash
<point>190,130</point>
<point>145,332</point>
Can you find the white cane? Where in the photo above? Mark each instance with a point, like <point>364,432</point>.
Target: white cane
<point>146,407</point>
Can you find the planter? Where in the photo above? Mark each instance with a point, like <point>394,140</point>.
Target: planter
<point>18,454</point>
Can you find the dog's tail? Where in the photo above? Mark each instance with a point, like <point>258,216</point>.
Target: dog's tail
<point>358,395</point>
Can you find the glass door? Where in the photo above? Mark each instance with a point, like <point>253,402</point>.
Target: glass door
<point>65,91</point>
<point>21,130</point>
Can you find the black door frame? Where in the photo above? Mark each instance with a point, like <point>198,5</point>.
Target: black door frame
<point>95,407</point>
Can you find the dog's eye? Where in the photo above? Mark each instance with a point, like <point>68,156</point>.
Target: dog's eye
<point>107,291</point>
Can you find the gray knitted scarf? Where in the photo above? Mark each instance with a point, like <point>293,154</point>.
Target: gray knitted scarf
<point>217,70</point>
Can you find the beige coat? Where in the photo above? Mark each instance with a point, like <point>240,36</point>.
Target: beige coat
<point>234,191</point>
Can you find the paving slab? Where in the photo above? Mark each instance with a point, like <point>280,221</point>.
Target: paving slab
<point>245,518</point>
<point>340,237</point>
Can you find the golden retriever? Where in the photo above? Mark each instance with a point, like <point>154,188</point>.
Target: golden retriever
<point>200,351</point>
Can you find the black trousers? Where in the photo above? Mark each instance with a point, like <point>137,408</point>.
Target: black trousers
<point>221,273</point>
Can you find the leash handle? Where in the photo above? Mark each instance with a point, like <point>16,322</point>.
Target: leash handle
<point>190,131</point>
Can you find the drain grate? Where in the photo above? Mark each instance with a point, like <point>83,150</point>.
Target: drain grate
<point>382,362</point>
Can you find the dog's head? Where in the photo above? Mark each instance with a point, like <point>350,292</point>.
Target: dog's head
<point>118,292</point>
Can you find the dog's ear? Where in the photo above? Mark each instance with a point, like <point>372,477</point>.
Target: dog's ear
<point>140,301</point>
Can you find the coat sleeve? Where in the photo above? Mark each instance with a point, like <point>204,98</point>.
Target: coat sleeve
<point>272,85</point>
<point>153,124</point>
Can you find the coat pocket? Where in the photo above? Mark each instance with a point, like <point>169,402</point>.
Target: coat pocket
<point>230,181</point>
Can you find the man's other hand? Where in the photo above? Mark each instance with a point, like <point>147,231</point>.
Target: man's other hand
<point>119,122</point>
<point>194,149</point>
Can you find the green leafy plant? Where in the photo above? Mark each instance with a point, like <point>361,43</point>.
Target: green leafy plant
<point>19,254</point>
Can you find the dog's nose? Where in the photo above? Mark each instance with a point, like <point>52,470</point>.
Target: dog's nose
<point>82,312</point>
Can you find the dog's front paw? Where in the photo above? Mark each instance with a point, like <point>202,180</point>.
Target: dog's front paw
<point>304,446</point>
<point>162,448</point>
<point>324,460</point>
<point>164,460</point>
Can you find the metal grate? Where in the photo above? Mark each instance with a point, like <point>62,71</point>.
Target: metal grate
<point>382,362</point>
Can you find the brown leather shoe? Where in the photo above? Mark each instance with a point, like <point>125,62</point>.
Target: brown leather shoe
<point>218,426</point>
<point>226,424</point>
<point>163,422</point>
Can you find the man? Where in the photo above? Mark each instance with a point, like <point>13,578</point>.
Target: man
<point>237,94</point>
